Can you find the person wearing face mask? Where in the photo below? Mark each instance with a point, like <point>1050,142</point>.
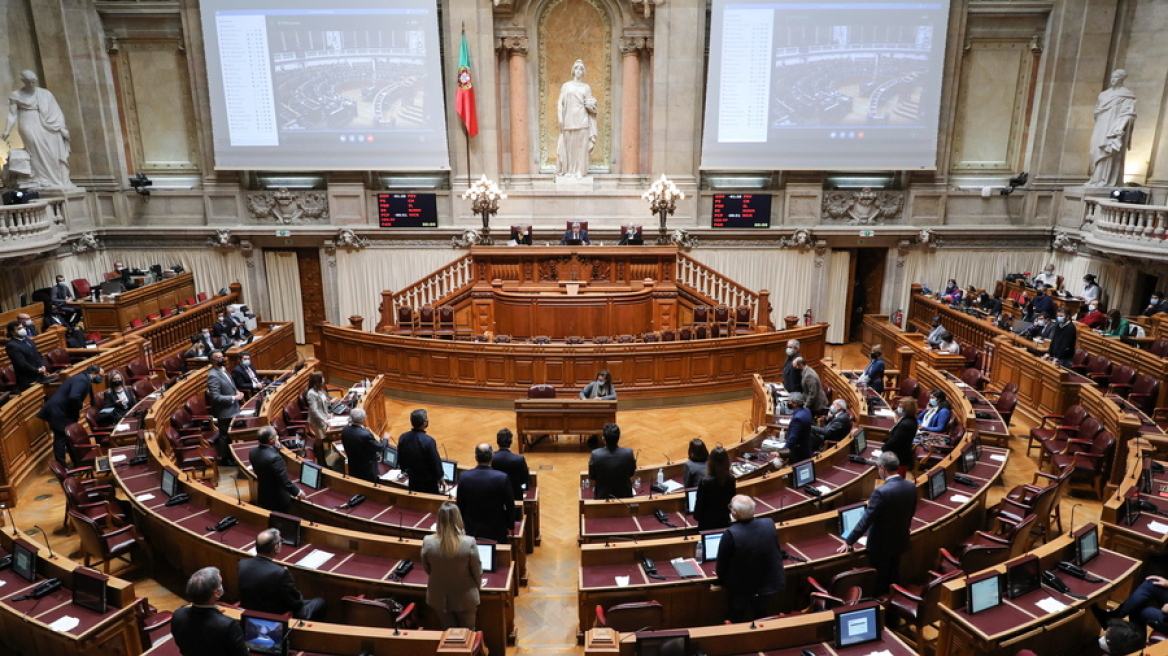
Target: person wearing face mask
<point>900,437</point>
<point>62,294</point>
<point>26,321</point>
<point>792,378</point>
<point>27,362</point>
<point>245,377</point>
<point>1156,305</point>
<point>1117,326</point>
<point>813,392</point>
<point>949,345</point>
<point>1145,607</point>
<point>198,349</point>
<point>1093,317</point>
<point>64,407</point>
<point>116,401</point>
<point>1042,303</point>
<point>838,425</point>
<point>1062,340</point>
<point>873,375</point>
<point>1047,277</point>
<point>934,337</point>
<point>209,342</point>
<point>799,430</point>
<point>224,398</point>
<point>202,629</point>
<point>601,388</point>
<point>224,331</point>
<point>887,520</point>
<point>1091,291</point>
<point>1043,327</point>
<point>934,418</point>
<point>952,293</point>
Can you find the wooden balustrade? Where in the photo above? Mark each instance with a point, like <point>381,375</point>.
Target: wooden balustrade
<point>706,282</point>
<point>172,335</point>
<point>1143,223</point>
<point>450,280</point>
<point>35,219</point>
<point>46,341</point>
<point>273,348</point>
<point>36,312</point>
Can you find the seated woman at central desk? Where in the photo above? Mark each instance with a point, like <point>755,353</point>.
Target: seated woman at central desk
<point>601,388</point>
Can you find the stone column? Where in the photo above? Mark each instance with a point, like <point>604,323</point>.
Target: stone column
<point>516,49</point>
<point>630,47</point>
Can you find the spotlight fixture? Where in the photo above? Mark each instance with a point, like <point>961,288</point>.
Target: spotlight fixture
<point>1131,196</point>
<point>19,196</point>
<point>139,182</point>
<point>1015,182</point>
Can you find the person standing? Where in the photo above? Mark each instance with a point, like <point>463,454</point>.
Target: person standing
<point>417,456</point>
<point>715,491</point>
<point>1062,340</point>
<point>362,448</point>
<point>201,629</point>
<point>694,468</point>
<point>1091,290</point>
<point>887,520</point>
<point>903,432</point>
<point>485,499</point>
<point>792,379</point>
<point>813,395</point>
<point>274,490</point>
<point>873,375</point>
<point>512,464</point>
<point>224,401</point>
<point>798,430</point>
<point>452,562</point>
<point>267,586</point>
<point>64,407</point>
<point>611,466</point>
<point>319,405</point>
<point>27,362</point>
<point>750,564</point>
<point>25,320</point>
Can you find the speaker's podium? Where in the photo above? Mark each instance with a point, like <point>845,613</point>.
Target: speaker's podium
<point>541,415</point>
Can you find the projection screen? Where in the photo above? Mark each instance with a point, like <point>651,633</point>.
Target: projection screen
<point>314,84</point>
<point>824,85</point>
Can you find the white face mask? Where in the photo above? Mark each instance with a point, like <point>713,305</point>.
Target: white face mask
<point>790,351</point>
<point>246,362</point>
<point>21,333</point>
<point>1103,644</point>
<point>900,412</point>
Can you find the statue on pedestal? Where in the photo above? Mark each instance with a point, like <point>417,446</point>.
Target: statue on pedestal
<point>577,114</point>
<point>42,128</point>
<point>1115,111</point>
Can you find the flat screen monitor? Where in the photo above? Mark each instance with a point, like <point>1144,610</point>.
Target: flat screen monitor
<point>803,473</point>
<point>937,484</point>
<point>710,544</point>
<point>975,446</point>
<point>1086,544</point>
<point>310,475</point>
<point>860,444</point>
<point>573,242</point>
<point>984,592</point>
<point>24,559</point>
<point>169,482</point>
<point>691,500</point>
<point>856,625</point>
<point>389,457</point>
<point>89,589</point>
<point>1022,577</point>
<point>264,633</point>
<point>450,471</point>
<point>103,465</point>
<point>288,526</point>
<point>487,551</point>
<point>849,516</point>
<point>968,460</point>
<point>661,643</point>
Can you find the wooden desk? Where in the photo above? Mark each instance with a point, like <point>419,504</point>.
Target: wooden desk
<point>108,317</point>
<point>274,347</point>
<point>1144,362</point>
<point>1138,539</point>
<point>536,418</point>
<point>36,312</point>
<point>172,335</point>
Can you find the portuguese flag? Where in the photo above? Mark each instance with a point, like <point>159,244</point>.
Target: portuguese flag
<point>464,100</point>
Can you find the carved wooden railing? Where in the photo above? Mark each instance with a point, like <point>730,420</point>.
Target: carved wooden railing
<point>454,278</point>
<point>704,281</point>
<point>1143,223</point>
<point>173,334</point>
<point>37,219</point>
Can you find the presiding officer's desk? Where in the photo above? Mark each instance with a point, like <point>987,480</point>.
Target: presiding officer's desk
<point>115,315</point>
<point>1021,623</point>
<point>536,418</point>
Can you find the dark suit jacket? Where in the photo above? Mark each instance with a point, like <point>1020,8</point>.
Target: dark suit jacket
<point>363,450</point>
<point>267,586</point>
<point>888,517</point>
<point>515,466</point>
<point>900,440</point>
<point>64,407</point>
<point>61,294</point>
<point>26,360</point>
<point>417,455</point>
<point>712,506</point>
<point>274,490</point>
<point>206,631</point>
<point>568,235</point>
<point>610,470</point>
<point>749,561</point>
<point>792,378</point>
<point>799,435</point>
<point>109,399</point>
<point>1062,342</point>
<point>486,502</point>
<point>836,429</point>
<point>223,330</point>
<point>875,373</point>
<point>241,380</point>
<point>221,392</point>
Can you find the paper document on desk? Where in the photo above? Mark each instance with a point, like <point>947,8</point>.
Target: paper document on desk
<point>118,458</point>
<point>959,498</point>
<point>391,475</point>
<point>1050,605</point>
<point>882,652</point>
<point>315,559</point>
<point>823,488</point>
<point>335,422</point>
<point>121,428</point>
<point>1158,527</point>
<point>250,412</point>
<point>884,412</point>
<point>622,581</point>
<point>66,623</point>
<point>671,486</point>
<point>144,497</point>
<point>1000,457</point>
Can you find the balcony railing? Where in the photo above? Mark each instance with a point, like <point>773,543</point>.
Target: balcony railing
<point>31,225</point>
<point>1146,224</point>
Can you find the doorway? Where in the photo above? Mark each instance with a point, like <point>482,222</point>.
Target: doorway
<point>296,290</point>
<point>867,288</point>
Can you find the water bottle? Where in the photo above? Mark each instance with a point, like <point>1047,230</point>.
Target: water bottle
<point>699,551</point>
<point>585,484</point>
<point>661,477</point>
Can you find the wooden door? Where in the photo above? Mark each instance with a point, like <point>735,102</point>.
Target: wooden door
<point>312,292</point>
<point>867,287</point>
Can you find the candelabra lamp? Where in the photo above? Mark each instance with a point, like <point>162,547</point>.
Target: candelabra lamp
<point>484,197</point>
<point>662,197</point>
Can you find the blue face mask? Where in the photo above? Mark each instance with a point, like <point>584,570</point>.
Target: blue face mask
<point>932,403</point>
<point>1061,319</point>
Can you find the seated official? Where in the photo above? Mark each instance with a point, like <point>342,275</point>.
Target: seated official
<point>61,293</point>
<point>117,400</point>
<point>630,236</point>
<point>934,337</point>
<point>1042,303</point>
<point>1144,608</point>
<point>362,448</point>
<point>245,376</point>
<point>201,629</point>
<point>1156,305</point>
<point>952,293</point>
<point>575,234</point>
<point>1121,638</point>
<point>199,349</point>
<point>601,388</point>
<point>935,417</point>
<point>1091,290</point>
<point>949,345</point>
<point>225,331</point>
<point>1047,278</point>
<point>1117,326</point>
<point>1093,317</point>
<point>1043,327</point>
<point>267,586</point>
<point>27,362</point>
<point>838,426</point>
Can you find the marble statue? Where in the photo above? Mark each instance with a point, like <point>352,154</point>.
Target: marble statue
<point>42,128</point>
<point>1115,112</point>
<point>577,114</point>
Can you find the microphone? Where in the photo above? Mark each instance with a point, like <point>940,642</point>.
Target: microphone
<point>668,460</point>
<point>444,454</point>
<point>400,527</point>
<point>622,502</point>
<point>782,500</point>
<point>609,538</point>
<point>48,544</point>
<point>1072,530</point>
<point>11,520</point>
<point>235,487</point>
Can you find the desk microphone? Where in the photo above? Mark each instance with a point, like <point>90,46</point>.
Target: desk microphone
<point>1073,518</point>
<point>52,556</point>
<point>235,487</point>
<point>444,454</point>
<point>668,460</point>
<point>622,502</point>
<point>637,455</point>
<point>609,538</point>
<point>400,527</point>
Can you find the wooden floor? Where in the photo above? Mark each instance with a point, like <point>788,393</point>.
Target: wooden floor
<point>546,610</point>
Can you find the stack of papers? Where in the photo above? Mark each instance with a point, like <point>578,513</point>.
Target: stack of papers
<point>1158,527</point>
<point>1050,605</point>
<point>335,422</point>
<point>671,486</point>
<point>391,475</point>
<point>315,559</point>
<point>66,623</point>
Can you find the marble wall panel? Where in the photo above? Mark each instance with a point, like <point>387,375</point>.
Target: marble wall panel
<point>157,108</point>
<point>990,122</point>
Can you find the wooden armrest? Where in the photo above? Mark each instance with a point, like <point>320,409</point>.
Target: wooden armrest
<point>897,590</point>
<point>1042,474</point>
<point>993,538</point>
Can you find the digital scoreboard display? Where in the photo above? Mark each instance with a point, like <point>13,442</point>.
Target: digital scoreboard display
<point>742,211</point>
<point>407,210</point>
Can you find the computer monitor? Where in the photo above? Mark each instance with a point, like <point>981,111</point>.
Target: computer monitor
<point>975,445</point>
<point>691,500</point>
<point>984,591</point>
<point>264,633</point>
<point>89,589</point>
<point>1022,576</point>
<point>849,516</point>
<point>710,543</point>
<point>1131,507</point>
<point>858,624</point>
<point>803,473</point>
<point>860,443</point>
<point>659,643</point>
<point>103,465</point>
<point>968,460</point>
<point>573,242</point>
<point>487,551</point>
<point>450,471</point>
<point>389,457</point>
<point>24,559</point>
<point>288,526</point>
<point>310,475</point>
<point>1086,544</point>
<point>169,482</point>
<point>937,484</point>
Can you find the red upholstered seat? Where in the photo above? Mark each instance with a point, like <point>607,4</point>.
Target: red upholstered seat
<point>1058,444</point>
<point>541,392</point>
<point>1051,426</point>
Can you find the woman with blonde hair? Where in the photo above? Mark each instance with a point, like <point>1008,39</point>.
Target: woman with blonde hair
<point>451,560</point>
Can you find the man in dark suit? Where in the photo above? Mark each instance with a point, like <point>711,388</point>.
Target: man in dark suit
<point>64,407</point>
<point>224,398</point>
<point>792,378</point>
<point>61,292</point>
<point>611,466</point>
<point>1156,305</point>
<point>750,564</point>
<point>25,320</point>
<point>575,232</point>
<point>838,425</point>
<point>224,330</point>
<point>886,520</point>
<point>512,464</point>
<point>267,586</point>
<point>274,490</point>
<point>362,448</point>
<point>873,375</point>
<point>799,430</point>
<point>201,629</point>
<point>1062,339</point>
<point>27,361</point>
<point>209,342</point>
<point>417,455</point>
<point>244,375</point>
<point>485,499</point>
